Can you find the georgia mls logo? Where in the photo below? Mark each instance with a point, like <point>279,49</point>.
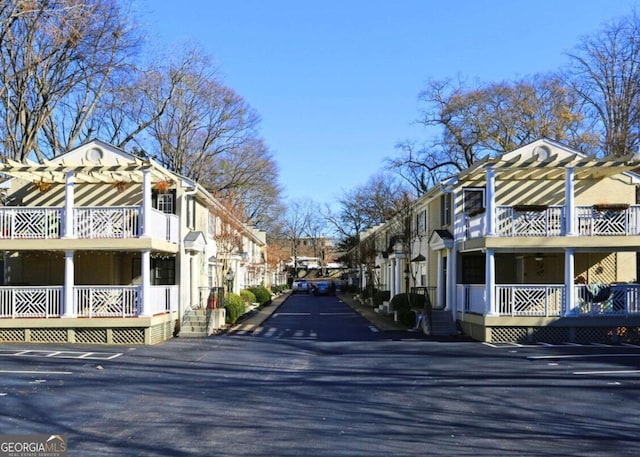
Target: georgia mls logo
<point>33,446</point>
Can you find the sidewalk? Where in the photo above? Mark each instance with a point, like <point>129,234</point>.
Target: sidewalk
<point>382,323</point>
<point>255,320</point>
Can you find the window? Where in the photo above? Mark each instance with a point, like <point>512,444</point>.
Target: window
<point>163,271</point>
<point>191,213</point>
<point>421,222</point>
<point>164,202</point>
<point>445,209</point>
<point>473,199</point>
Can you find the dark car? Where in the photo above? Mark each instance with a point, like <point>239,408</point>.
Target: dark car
<point>323,288</point>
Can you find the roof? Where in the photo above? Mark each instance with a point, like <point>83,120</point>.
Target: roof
<point>548,160</point>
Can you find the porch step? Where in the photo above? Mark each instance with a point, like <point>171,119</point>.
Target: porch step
<point>194,324</point>
<point>442,324</point>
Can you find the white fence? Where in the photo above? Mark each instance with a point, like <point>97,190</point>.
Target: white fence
<point>529,220</point>
<point>88,301</point>
<point>550,300</point>
<point>89,223</point>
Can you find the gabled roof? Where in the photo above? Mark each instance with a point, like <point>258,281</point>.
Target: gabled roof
<point>547,160</point>
<point>92,162</point>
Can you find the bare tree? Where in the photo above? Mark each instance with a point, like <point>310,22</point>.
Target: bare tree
<point>295,223</point>
<point>56,59</point>
<point>605,71</point>
<point>488,120</point>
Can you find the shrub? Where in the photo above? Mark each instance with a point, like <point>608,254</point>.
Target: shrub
<point>380,296</point>
<point>248,296</point>
<point>404,304</point>
<point>263,296</point>
<point>234,305</point>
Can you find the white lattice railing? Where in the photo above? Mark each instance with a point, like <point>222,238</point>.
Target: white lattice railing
<point>520,221</point>
<point>605,300</point>
<point>18,302</point>
<point>107,301</point>
<point>512,221</point>
<point>30,223</point>
<point>106,222</point>
<point>89,223</point>
<point>529,300</point>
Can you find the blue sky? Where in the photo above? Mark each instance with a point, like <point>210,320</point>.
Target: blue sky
<point>335,82</point>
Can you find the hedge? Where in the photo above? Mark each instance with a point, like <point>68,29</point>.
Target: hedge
<point>234,305</point>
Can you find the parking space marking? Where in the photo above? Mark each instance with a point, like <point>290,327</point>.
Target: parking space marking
<point>34,372</point>
<point>61,354</point>
<point>542,345</point>
<point>578,356</point>
<point>606,372</point>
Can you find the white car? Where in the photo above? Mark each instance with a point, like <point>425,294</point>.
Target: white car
<point>300,285</point>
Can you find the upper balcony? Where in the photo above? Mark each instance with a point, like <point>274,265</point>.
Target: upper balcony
<point>550,221</point>
<point>106,222</point>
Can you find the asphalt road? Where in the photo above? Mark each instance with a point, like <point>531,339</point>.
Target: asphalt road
<point>316,379</point>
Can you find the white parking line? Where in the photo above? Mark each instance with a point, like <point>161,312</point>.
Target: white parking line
<point>606,372</point>
<point>61,354</point>
<point>578,356</point>
<point>34,372</point>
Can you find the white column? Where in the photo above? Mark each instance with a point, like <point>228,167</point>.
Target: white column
<point>491,201</point>
<point>450,280</point>
<point>490,283</point>
<point>145,277</point>
<point>440,285</point>
<point>569,273</point>
<point>392,278</point>
<point>69,279</point>
<point>68,228</point>
<point>193,279</point>
<point>146,202</point>
<point>570,204</point>
<point>399,276</point>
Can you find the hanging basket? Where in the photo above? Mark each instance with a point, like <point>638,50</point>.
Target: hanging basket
<point>42,186</point>
<point>162,186</point>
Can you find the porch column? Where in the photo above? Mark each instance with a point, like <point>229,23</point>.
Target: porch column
<point>490,283</point>
<point>68,230</point>
<point>491,201</point>
<point>569,198</point>
<point>392,278</point>
<point>569,273</point>
<point>146,202</point>
<point>69,279</point>
<point>399,276</point>
<point>450,280</point>
<point>145,278</point>
<point>193,280</point>
<point>439,280</point>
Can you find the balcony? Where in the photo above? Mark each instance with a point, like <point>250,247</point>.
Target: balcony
<point>88,301</point>
<point>549,300</point>
<point>548,221</point>
<point>89,223</point>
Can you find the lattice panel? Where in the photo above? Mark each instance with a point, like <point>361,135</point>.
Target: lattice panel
<point>607,222</point>
<point>49,335</point>
<point>509,334</point>
<point>162,332</point>
<point>12,335</point>
<point>91,335</point>
<point>605,270</point>
<point>34,303</point>
<point>128,336</point>
<point>529,302</point>
<point>550,335</point>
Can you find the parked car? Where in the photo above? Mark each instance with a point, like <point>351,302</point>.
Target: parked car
<point>300,285</point>
<point>323,288</point>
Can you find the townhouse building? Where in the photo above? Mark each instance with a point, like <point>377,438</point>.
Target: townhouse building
<point>101,246</point>
<point>539,244</point>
